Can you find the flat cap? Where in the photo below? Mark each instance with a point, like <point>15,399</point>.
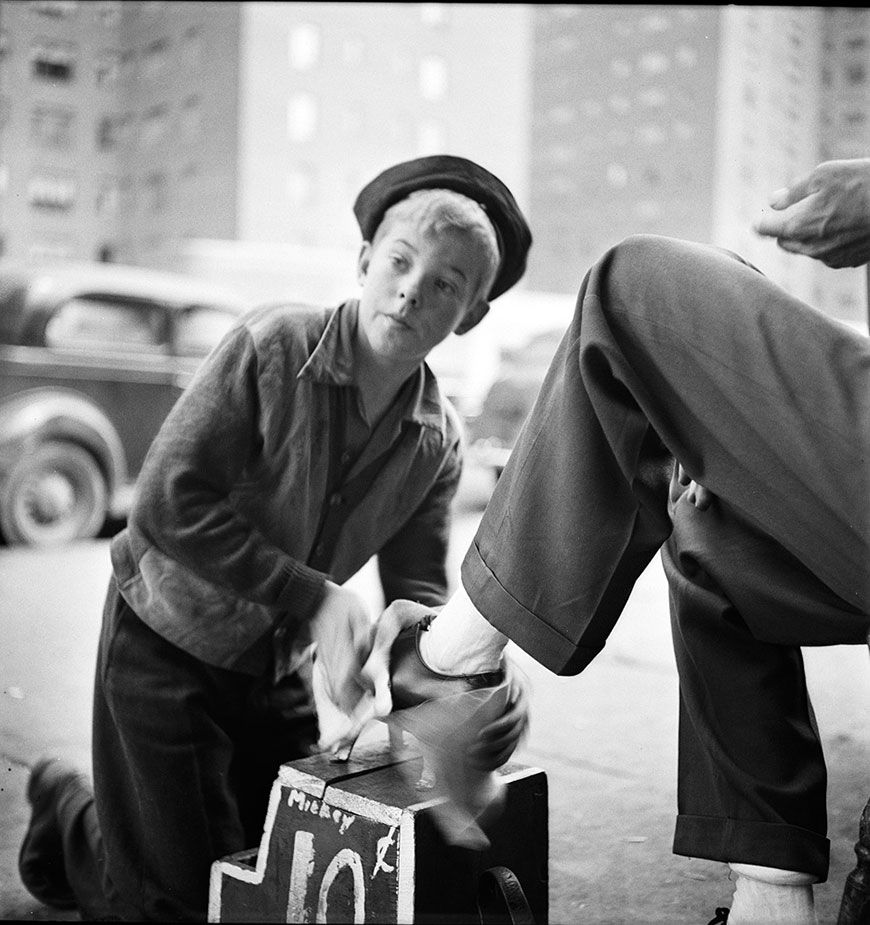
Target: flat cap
<point>444,171</point>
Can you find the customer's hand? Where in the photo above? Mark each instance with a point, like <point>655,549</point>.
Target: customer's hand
<point>825,214</point>
<point>697,494</point>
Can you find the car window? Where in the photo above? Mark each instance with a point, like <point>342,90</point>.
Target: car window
<point>101,323</point>
<point>199,329</point>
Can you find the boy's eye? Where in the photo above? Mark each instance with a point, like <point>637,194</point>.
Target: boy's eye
<point>445,286</point>
<point>398,260</point>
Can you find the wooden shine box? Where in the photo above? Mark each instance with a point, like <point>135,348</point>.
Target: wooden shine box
<point>356,842</point>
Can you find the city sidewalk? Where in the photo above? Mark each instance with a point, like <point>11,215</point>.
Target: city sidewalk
<point>606,739</point>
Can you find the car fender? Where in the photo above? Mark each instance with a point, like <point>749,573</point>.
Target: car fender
<point>36,415</point>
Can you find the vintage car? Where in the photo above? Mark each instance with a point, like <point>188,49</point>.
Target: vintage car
<point>92,357</point>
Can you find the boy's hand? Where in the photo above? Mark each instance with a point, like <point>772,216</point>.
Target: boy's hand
<point>341,631</point>
<point>825,214</point>
<point>351,675</point>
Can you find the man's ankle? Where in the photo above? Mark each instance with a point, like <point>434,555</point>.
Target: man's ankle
<point>460,640</point>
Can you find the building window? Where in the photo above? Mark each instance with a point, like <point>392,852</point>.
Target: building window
<point>107,68</point>
<point>430,138</point>
<point>51,193</point>
<point>655,22</point>
<point>653,97</point>
<point>300,185</point>
<point>303,47</point>
<point>52,127</point>
<point>53,61</point>
<point>562,153</point>
<point>5,44</point>
<point>433,78</point>
<point>352,119</point>
<point>187,179</point>
<point>433,14</point>
<point>648,209</point>
<point>654,62</point>
<point>50,250</point>
<point>128,64</point>
<point>56,9</point>
<point>191,118</point>
<point>301,117</point>
<point>155,123</point>
<point>127,196</point>
<point>352,51</point>
<point>108,12</point>
<point>191,47</point>
<point>619,103</point>
<point>651,135</point>
<point>856,72</point>
<point>156,190</point>
<point>686,132</point>
<point>155,56</point>
<point>686,56</point>
<point>108,196</point>
<point>110,132</point>
<point>617,176</point>
<point>562,114</point>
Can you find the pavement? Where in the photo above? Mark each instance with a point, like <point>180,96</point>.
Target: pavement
<point>606,739</point>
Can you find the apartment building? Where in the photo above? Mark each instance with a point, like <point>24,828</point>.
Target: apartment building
<point>127,126</point>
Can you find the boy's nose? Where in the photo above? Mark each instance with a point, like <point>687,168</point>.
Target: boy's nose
<point>409,293</point>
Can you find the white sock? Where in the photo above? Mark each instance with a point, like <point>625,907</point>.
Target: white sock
<point>460,640</point>
<point>771,896</point>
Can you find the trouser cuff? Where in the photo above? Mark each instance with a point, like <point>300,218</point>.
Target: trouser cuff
<point>769,844</point>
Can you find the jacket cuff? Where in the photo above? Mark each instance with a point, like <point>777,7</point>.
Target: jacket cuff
<point>303,592</point>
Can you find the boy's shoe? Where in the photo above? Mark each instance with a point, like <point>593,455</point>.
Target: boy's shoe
<point>40,861</point>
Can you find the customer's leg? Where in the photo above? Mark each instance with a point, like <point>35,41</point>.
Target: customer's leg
<point>677,350</point>
<point>751,770</point>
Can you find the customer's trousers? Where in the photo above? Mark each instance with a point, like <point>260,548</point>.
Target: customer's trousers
<point>184,758</point>
<point>682,351</point>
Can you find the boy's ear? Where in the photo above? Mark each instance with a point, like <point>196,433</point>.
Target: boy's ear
<point>474,315</point>
<point>362,262</point>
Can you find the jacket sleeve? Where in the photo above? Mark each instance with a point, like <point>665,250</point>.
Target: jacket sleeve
<point>183,502</point>
<point>413,563</point>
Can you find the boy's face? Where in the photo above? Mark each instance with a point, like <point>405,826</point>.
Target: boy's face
<point>417,286</point>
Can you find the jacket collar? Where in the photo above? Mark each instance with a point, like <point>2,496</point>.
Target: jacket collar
<point>332,363</point>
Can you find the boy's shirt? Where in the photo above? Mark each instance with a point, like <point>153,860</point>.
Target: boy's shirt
<point>242,506</point>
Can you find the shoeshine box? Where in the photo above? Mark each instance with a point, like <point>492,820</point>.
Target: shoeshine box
<point>357,841</point>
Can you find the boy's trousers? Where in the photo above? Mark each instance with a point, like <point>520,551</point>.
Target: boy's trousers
<point>184,758</point>
<point>682,351</point>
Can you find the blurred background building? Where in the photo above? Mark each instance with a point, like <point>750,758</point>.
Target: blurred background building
<point>229,139</point>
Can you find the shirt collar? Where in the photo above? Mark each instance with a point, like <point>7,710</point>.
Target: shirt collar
<point>332,363</point>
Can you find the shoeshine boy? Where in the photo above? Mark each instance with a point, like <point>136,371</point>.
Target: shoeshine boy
<point>309,441</point>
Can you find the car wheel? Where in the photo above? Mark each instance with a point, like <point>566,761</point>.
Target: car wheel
<point>53,494</point>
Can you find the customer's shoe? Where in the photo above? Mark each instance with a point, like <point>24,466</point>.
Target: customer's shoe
<point>445,714</point>
<point>40,861</point>
<point>413,682</point>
